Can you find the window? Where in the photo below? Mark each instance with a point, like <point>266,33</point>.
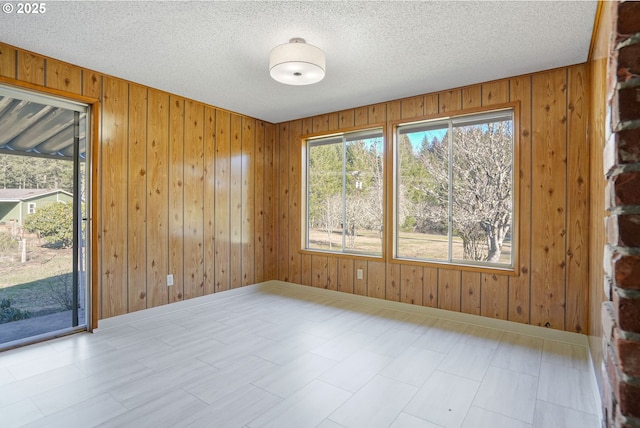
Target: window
<point>454,190</point>
<point>31,207</point>
<point>344,190</point>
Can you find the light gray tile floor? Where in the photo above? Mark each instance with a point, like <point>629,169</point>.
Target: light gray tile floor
<point>290,358</point>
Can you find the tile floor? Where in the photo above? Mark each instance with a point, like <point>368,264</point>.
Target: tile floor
<point>295,358</point>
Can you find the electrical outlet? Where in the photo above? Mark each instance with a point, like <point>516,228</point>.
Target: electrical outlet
<point>169,280</point>
<point>359,274</point>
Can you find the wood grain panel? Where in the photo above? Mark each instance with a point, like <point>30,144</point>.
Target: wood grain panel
<point>392,282</point>
<point>578,202</point>
<point>223,200</point>
<point>248,200</point>
<point>519,286</point>
<point>334,121</point>
<point>431,104</point>
<point>91,84</point>
<point>176,197</point>
<point>7,61</point>
<point>411,284</point>
<point>597,183</point>
<point>305,275</point>
<point>449,290</point>
<point>472,96</point>
<point>394,110</point>
<point>193,200</point>
<point>64,77</point>
<point>346,119</point>
<point>30,68</point>
<point>412,107</point>
<point>376,280</point>
<point>259,208</point>
<point>115,115</point>
<point>430,287</point>
<point>332,273</point>
<point>377,113</point>
<point>137,198</point>
<point>360,285</point>
<point>271,207</point>
<point>470,284</point>
<point>361,116</point>
<point>157,220</point>
<point>495,92</point>
<point>208,200</point>
<point>495,296</point>
<point>235,216</point>
<point>307,126</point>
<point>450,100</point>
<point>295,198</point>
<point>321,123</point>
<point>283,202</point>
<point>345,275</point>
<point>319,271</point>
<point>549,197</point>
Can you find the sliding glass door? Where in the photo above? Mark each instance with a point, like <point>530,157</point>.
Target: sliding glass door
<point>43,201</point>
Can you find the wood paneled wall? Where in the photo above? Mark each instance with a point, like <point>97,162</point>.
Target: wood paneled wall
<point>598,63</point>
<point>552,286</point>
<point>213,198</point>
<point>185,189</point>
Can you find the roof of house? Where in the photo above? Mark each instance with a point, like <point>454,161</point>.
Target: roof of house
<point>16,195</point>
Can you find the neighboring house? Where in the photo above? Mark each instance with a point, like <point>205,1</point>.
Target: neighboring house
<point>16,204</point>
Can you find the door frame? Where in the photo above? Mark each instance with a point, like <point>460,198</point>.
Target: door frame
<point>93,178</point>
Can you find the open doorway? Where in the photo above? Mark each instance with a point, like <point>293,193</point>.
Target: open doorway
<point>43,200</point>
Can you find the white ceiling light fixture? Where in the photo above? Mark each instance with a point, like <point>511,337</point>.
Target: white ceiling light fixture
<point>297,63</point>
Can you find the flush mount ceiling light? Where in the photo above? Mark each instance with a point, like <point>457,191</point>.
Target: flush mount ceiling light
<point>297,63</point>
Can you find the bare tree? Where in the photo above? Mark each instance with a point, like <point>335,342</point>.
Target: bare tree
<point>481,188</point>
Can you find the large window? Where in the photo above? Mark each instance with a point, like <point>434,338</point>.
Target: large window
<point>345,193</point>
<point>454,187</point>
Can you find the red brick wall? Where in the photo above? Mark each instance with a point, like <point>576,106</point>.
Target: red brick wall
<point>621,314</point>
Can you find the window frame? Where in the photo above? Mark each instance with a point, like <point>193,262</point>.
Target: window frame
<point>31,208</point>
<point>306,141</point>
<point>392,214</point>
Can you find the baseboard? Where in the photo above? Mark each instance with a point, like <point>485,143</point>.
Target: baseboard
<point>514,327</point>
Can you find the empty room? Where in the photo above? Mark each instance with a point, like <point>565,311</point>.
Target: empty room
<point>320,214</point>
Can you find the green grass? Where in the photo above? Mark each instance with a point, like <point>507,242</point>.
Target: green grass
<point>36,285</point>
<point>411,245</point>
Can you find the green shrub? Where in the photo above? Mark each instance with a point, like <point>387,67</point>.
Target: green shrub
<point>54,223</point>
<point>8,314</point>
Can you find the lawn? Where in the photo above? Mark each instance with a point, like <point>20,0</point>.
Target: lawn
<point>411,245</point>
<point>41,284</point>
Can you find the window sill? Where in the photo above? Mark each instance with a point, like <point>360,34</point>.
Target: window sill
<point>353,256</point>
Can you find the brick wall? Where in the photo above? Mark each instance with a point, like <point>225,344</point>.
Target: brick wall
<point>621,313</point>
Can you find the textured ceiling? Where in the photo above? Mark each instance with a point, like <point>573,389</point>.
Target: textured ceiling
<point>218,52</point>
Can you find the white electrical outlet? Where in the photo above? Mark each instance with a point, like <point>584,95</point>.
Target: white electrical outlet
<point>359,274</point>
<point>169,280</point>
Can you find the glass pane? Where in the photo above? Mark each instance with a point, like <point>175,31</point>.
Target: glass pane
<point>325,204</point>
<point>38,199</point>
<point>364,195</point>
<point>422,194</point>
<point>483,191</point>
